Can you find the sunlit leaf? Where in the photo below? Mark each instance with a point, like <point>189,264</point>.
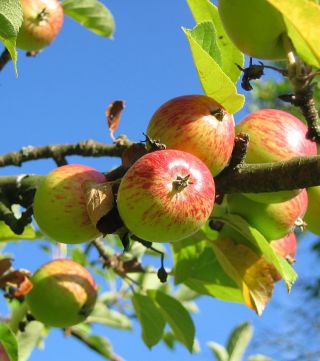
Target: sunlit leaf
<point>219,351</point>
<point>239,341</point>
<point>6,234</point>
<point>29,339</point>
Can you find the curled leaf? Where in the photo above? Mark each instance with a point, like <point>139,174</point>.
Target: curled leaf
<point>5,265</point>
<point>113,114</point>
<point>99,199</point>
<point>18,280</point>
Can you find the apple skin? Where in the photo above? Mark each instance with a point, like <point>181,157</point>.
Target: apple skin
<point>274,135</point>
<point>272,220</point>
<point>37,30</point>
<point>3,354</point>
<point>187,123</point>
<point>255,27</point>
<point>285,247</point>
<point>59,205</point>
<point>312,216</point>
<point>63,294</point>
<point>150,205</point>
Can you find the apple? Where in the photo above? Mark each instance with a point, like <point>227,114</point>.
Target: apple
<point>63,294</point>
<point>198,125</point>
<point>166,196</point>
<point>254,26</point>
<point>312,216</point>
<point>60,206</point>
<point>42,21</point>
<point>275,135</point>
<point>3,354</point>
<point>285,247</point>
<point>272,220</point>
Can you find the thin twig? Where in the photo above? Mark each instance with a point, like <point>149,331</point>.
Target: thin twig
<point>4,58</point>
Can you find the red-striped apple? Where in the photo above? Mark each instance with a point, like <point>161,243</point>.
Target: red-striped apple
<point>166,196</point>
<point>60,205</point>
<point>42,21</point>
<point>275,135</point>
<point>63,294</point>
<point>198,125</point>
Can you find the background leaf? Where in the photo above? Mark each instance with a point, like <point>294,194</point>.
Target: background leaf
<point>177,317</point>
<point>92,14</point>
<point>239,341</point>
<point>29,339</point>
<point>219,351</point>
<point>6,234</point>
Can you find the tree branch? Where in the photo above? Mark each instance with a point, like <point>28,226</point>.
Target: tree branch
<point>4,58</point>
<point>58,152</point>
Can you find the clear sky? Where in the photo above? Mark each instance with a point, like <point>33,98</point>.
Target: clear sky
<point>61,96</point>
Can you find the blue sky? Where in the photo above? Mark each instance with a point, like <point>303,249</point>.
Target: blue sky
<point>61,96</point>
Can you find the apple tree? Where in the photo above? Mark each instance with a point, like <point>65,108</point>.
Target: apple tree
<point>222,201</point>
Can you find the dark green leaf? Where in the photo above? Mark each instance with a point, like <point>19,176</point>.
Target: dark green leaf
<point>92,14</point>
<point>150,317</point>
<point>177,317</point>
<point>9,342</point>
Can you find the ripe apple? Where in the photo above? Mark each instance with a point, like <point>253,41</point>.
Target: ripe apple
<point>275,135</point>
<point>272,220</point>
<point>286,247</point>
<point>63,294</point>
<point>166,195</point>
<point>312,216</point>
<point>60,207</point>
<point>255,27</point>
<point>3,354</point>
<point>42,21</point>
<point>198,125</point>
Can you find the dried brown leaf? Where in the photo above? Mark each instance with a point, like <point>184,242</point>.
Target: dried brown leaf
<point>113,114</point>
<point>5,265</point>
<point>19,280</point>
<point>99,199</point>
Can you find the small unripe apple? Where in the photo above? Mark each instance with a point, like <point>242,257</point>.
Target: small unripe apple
<point>275,135</point>
<point>166,195</point>
<point>272,220</point>
<point>42,21</point>
<point>285,247</point>
<point>198,125</point>
<point>254,26</point>
<point>63,294</point>
<point>312,216</point>
<point>60,206</point>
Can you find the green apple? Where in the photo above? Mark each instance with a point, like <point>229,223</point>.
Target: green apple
<point>42,21</point>
<point>272,220</point>
<point>254,26</point>
<point>312,216</point>
<point>60,205</point>
<point>63,294</point>
<point>198,125</point>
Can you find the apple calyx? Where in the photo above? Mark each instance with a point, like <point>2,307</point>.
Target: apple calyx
<point>218,113</point>
<point>42,16</point>
<point>180,183</point>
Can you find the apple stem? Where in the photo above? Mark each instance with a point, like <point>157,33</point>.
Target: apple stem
<point>181,183</point>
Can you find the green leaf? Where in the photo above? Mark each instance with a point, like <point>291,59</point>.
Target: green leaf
<point>219,351</point>
<point>103,315</point>
<point>6,234</point>
<point>204,10</point>
<point>29,339</point>
<point>197,267</point>
<point>259,357</point>
<point>256,239</point>
<point>150,317</point>
<point>215,83</point>
<point>10,21</point>
<point>177,317</point>
<point>239,341</point>
<point>9,342</point>
<point>92,14</point>
<point>302,20</point>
